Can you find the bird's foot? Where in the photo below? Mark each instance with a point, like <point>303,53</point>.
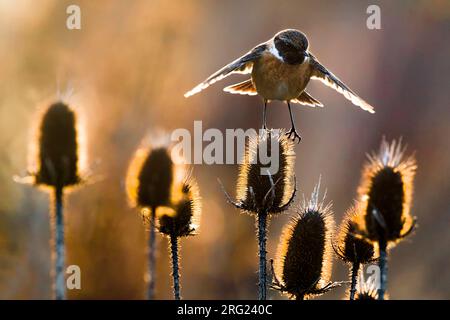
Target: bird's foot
<point>292,134</point>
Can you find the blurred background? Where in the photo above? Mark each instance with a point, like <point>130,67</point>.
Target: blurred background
<point>129,66</point>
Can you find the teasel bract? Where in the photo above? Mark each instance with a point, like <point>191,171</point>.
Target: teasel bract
<point>351,248</point>
<point>304,256</point>
<point>58,168</point>
<point>180,219</point>
<point>386,193</point>
<point>263,193</point>
<point>149,181</point>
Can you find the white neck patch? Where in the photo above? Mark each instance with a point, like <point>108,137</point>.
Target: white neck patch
<point>273,50</point>
<point>307,58</point>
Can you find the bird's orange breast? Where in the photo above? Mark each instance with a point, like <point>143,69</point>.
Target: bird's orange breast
<point>277,80</point>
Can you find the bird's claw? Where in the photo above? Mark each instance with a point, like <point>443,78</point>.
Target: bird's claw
<point>292,134</point>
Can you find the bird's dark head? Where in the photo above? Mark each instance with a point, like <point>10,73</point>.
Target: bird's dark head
<point>291,45</point>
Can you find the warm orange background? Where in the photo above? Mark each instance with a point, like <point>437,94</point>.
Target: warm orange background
<point>131,63</point>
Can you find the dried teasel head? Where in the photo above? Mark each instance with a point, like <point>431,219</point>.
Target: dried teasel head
<point>386,194</point>
<point>150,178</point>
<point>349,245</point>
<point>259,189</point>
<point>182,217</point>
<point>304,256</point>
<point>58,148</point>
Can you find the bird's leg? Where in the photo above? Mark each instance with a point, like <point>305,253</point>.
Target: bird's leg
<point>264,115</point>
<point>293,131</point>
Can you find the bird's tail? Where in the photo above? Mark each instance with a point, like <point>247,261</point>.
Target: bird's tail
<point>245,87</point>
<point>306,99</point>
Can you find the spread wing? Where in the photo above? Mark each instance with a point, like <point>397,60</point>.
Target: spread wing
<point>243,65</point>
<point>321,73</point>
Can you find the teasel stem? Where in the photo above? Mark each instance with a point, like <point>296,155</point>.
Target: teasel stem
<point>152,255</point>
<point>262,239</point>
<point>354,276</point>
<point>382,263</point>
<point>175,268</point>
<point>300,297</point>
<point>60,292</point>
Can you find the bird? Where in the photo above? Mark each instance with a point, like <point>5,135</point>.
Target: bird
<point>280,69</point>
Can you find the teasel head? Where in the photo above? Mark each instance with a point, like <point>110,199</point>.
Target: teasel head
<point>259,189</point>
<point>150,177</point>
<point>182,217</point>
<point>349,246</point>
<point>58,156</point>
<point>149,183</point>
<point>57,159</point>
<point>304,256</point>
<point>386,192</point>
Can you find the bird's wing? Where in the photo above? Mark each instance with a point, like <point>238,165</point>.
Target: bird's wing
<point>243,64</point>
<point>321,73</point>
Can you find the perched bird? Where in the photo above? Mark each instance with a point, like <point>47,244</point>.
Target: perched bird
<point>280,70</point>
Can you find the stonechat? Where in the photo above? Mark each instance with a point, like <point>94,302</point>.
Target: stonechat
<point>280,70</point>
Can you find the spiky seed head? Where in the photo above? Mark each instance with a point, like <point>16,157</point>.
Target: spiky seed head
<point>366,295</point>
<point>257,190</point>
<point>304,254</point>
<point>155,179</point>
<point>386,193</point>
<point>182,218</point>
<point>150,178</point>
<point>349,245</point>
<point>58,148</point>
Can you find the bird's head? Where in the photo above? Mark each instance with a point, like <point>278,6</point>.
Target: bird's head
<point>291,45</point>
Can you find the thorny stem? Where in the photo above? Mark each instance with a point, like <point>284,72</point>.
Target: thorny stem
<point>354,276</point>
<point>175,269</point>
<point>152,255</point>
<point>382,263</point>
<point>262,239</point>
<point>60,291</point>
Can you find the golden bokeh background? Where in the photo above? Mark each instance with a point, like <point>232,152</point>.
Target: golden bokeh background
<point>129,66</point>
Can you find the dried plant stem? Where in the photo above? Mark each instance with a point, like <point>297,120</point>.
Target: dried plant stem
<point>300,297</point>
<point>354,276</point>
<point>152,255</point>
<point>382,263</point>
<point>60,291</point>
<point>175,268</point>
<point>262,239</point>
